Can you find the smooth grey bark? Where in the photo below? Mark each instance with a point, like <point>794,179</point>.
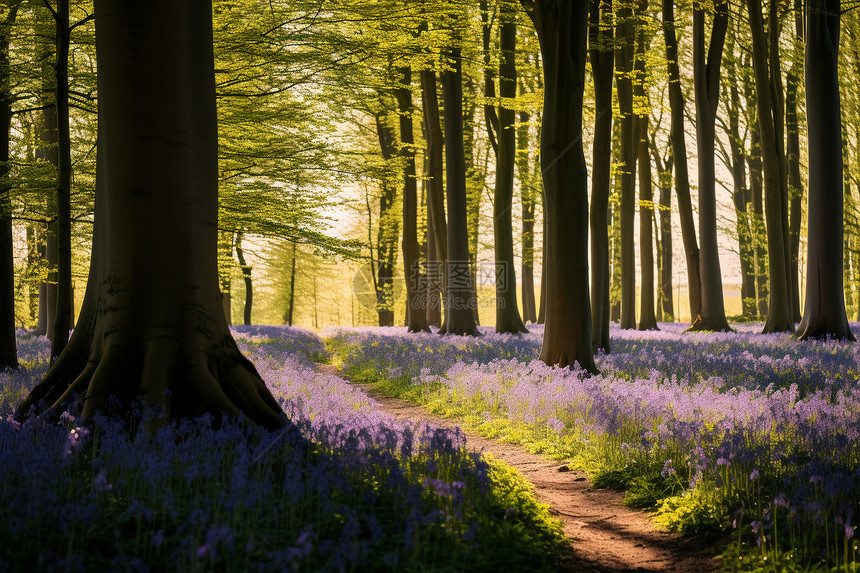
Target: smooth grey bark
<point>152,324</point>
<point>562,29</point>
<point>507,312</point>
<point>8,343</point>
<point>679,151</point>
<point>602,57</point>
<point>416,308</point>
<point>460,305</point>
<point>706,79</point>
<point>824,312</point>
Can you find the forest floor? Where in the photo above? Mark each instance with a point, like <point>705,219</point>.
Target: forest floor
<point>606,536</point>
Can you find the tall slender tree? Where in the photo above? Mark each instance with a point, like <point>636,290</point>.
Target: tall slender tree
<point>602,55</point>
<point>562,29</point>
<point>824,312</point>
<point>416,310</point>
<point>679,155</point>
<point>628,147</point>
<point>706,78</point>
<point>507,313</point>
<point>8,344</point>
<point>528,196</point>
<point>460,304</point>
<point>437,227</point>
<point>770,122</point>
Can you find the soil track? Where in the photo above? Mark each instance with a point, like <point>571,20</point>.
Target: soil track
<point>606,536</point>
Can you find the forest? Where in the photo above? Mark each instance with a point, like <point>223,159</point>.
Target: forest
<point>429,285</point>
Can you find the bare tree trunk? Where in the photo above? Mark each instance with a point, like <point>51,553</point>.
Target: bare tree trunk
<point>152,324</point>
<point>528,195</point>
<point>416,308</point>
<point>664,170</point>
<point>824,312</point>
<point>292,306</point>
<point>602,65</point>
<point>741,194</point>
<point>626,37</point>
<point>706,74</point>
<point>562,29</point>
<point>792,154</point>
<point>679,151</point>
<point>461,304</point>
<point>388,233</point>
<point>246,276</point>
<point>647,316</point>
<point>779,317</point>
<point>8,344</point>
<point>507,314</point>
<point>436,224</point>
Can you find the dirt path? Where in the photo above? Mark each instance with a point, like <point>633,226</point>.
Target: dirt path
<point>606,535</point>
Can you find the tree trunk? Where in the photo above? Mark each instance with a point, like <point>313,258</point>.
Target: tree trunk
<point>437,227</point>
<point>225,259</point>
<point>388,232</point>
<point>528,195</point>
<point>246,276</point>
<point>433,277</point>
<point>416,308</point>
<point>8,343</point>
<point>706,78</point>
<point>507,313</point>
<point>461,304</point>
<point>779,311</point>
<point>824,312</point>
<point>152,323</point>
<point>562,29</point>
<point>757,221</point>
<point>292,306</point>
<point>62,316</point>
<point>602,66</point>
<point>741,194</point>
<point>679,153</point>
<point>795,182</point>
<point>626,37</point>
<point>647,316</point>
<point>664,177</point>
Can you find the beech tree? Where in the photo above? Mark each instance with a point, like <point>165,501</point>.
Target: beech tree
<point>507,313</point>
<point>416,311</point>
<point>8,345</point>
<point>628,148</point>
<point>824,312</point>
<point>460,304</point>
<point>768,84</point>
<point>679,159</point>
<point>152,323</point>
<point>602,55</point>
<point>706,74</point>
<point>562,29</point>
